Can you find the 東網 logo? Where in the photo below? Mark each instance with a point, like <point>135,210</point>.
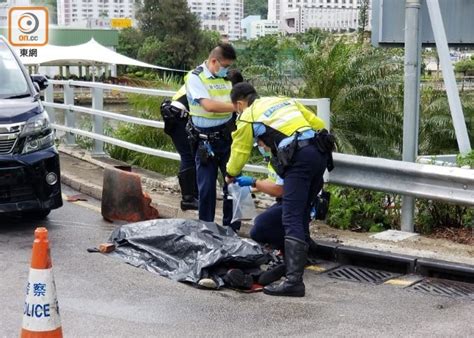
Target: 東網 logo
<point>28,26</point>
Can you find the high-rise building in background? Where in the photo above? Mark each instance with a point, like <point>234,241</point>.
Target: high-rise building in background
<point>5,5</point>
<point>297,16</point>
<point>94,13</point>
<point>223,16</point>
<point>254,27</point>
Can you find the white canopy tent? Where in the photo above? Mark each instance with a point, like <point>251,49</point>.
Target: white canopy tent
<point>90,53</point>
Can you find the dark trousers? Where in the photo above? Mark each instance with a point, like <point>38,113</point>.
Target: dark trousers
<point>308,166</point>
<point>268,227</point>
<point>177,131</point>
<point>206,174</point>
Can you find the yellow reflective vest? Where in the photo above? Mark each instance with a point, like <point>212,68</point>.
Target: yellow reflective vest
<point>219,90</point>
<point>180,93</point>
<point>272,175</point>
<point>280,113</point>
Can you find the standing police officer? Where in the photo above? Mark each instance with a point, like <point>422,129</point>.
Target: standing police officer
<point>210,107</point>
<point>291,132</point>
<point>175,115</point>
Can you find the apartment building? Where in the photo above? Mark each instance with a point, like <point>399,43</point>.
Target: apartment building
<point>224,16</point>
<point>297,16</point>
<point>94,13</point>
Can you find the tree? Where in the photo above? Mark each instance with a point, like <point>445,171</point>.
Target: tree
<point>172,24</point>
<point>465,67</point>
<point>363,19</point>
<point>256,7</point>
<point>262,51</point>
<point>130,41</point>
<point>365,88</point>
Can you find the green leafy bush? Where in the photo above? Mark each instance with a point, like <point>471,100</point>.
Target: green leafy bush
<point>362,210</point>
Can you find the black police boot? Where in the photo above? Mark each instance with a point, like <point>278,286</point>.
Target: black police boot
<point>296,254</point>
<point>272,274</point>
<point>187,183</point>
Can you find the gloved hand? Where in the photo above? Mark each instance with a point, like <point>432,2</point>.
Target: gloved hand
<point>245,181</point>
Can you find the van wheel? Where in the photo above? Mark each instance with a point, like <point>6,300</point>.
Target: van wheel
<point>37,214</point>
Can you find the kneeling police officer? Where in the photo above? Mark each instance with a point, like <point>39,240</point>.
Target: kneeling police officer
<point>301,152</point>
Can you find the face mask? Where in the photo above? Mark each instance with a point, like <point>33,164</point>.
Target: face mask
<point>238,110</point>
<point>222,72</point>
<point>265,154</point>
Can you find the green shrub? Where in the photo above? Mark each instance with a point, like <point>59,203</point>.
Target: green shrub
<point>362,210</point>
<point>466,160</point>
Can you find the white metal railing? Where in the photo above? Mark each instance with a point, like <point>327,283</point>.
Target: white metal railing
<point>98,132</point>
<point>420,180</point>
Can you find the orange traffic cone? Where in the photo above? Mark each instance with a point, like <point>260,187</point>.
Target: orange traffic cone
<point>41,312</point>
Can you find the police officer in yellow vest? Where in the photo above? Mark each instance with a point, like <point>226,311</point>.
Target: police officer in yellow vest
<point>291,131</point>
<point>211,110</point>
<point>175,113</point>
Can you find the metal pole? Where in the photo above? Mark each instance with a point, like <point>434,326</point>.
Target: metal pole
<point>98,127</point>
<point>411,100</point>
<point>70,115</point>
<point>448,75</point>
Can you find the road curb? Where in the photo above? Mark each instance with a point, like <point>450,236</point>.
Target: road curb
<point>442,269</point>
<point>392,262</point>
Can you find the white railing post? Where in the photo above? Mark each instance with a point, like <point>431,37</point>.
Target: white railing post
<point>70,115</point>
<point>324,112</point>
<point>98,126</point>
<point>49,97</point>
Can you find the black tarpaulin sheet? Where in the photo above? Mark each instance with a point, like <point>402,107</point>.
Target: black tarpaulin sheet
<point>182,249</point>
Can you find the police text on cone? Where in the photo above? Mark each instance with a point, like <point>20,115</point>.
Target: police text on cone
<point>41,311</point>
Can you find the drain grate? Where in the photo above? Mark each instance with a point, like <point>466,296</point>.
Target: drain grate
<point>447,288</point>
<point>359,274</point>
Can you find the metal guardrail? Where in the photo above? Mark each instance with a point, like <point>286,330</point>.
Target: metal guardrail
<point>448,184</point>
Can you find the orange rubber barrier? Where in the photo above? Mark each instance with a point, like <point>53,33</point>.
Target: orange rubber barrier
<point>41,312</point>
<point>123,197</point>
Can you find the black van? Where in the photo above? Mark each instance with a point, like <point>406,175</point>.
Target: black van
<point>29,162</point>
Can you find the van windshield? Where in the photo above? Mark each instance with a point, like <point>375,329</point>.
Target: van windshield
<point>12,80</point>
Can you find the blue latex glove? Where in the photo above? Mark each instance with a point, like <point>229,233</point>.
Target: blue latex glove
<point>244,181</point>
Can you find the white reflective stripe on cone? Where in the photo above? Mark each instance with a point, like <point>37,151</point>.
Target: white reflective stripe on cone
<point>41,311</point>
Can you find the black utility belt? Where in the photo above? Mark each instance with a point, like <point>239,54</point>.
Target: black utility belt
<point>221,132</point>
<point>210,136</point>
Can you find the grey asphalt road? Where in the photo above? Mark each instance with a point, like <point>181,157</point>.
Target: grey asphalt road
<point>100,296</point>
